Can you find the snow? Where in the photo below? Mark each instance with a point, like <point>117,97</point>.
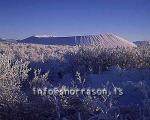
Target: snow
<point>43,36</point>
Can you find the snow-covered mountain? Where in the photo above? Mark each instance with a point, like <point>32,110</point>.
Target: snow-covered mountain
<point>104,40</point>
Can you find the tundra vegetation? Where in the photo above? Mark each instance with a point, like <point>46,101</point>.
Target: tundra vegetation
<point>23,66</point>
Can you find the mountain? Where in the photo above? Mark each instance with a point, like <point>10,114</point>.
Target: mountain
<point>7,40</point>
<point>2,40</point>
<point>142,43</point>
<point>104,40</point>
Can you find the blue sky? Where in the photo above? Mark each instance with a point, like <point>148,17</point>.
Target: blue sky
<point>127,18</point>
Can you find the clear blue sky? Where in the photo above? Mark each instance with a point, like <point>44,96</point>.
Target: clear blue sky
<point>127,18</point>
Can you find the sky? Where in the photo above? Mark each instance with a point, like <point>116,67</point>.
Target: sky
<point>129,19</point>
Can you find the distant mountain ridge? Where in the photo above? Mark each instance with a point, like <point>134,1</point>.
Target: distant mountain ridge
<point>104,40</point>
<point>142,43</point>
<point>7,40</point>
<point>2,40</point>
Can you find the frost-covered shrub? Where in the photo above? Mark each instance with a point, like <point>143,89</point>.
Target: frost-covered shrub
<point>39,80</point>
<point>62,59</point>
<point>145,56</point>
<point>99,59</point>
<point>12,76</point>
<point>81,61</point>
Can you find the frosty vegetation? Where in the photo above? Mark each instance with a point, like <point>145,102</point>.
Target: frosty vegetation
<point>23,66</point>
